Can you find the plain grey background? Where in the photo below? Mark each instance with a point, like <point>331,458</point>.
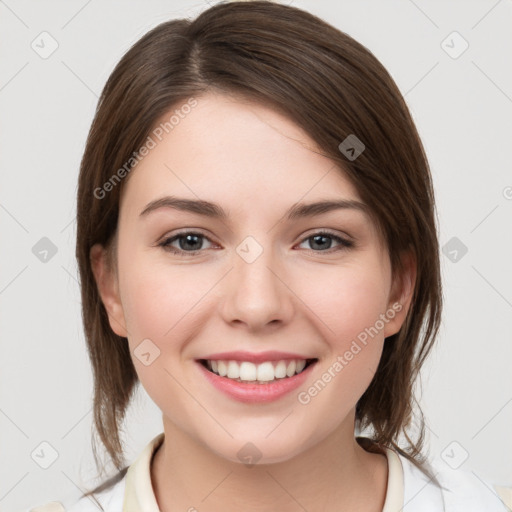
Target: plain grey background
<point>461,101</point>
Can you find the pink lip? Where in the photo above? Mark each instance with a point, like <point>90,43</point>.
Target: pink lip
<point>256,393</point>
<point>260,357</point>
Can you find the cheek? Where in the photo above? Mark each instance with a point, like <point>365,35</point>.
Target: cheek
<point>159,298</point>
<point>347,300</point>
<point>345,307</point>
<point>160,303</point>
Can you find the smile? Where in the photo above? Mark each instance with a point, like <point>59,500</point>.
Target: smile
<point>262,381</point>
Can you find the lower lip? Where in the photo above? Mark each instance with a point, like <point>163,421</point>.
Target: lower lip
<point>256,393</point>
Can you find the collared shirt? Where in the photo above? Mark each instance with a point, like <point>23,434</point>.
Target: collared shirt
<point>408,489</point>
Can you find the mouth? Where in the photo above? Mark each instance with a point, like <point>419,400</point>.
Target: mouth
<point>264,373</point>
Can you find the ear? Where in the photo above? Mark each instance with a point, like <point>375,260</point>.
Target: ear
<point>108,288</point>
<point>402,290</point>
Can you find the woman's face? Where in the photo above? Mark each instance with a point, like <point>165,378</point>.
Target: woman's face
<point>272,275</point>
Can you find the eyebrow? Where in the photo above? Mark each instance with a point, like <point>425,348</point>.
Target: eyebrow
<point>208,209</point>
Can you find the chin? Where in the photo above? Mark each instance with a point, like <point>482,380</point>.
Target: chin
<point>258,450</point>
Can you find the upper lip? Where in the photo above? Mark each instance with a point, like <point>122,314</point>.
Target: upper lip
<point>253,357</point>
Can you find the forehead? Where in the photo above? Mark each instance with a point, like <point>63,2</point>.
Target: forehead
<point>227,147</point>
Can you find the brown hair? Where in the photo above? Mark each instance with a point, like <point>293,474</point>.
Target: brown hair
<point>331,86</point>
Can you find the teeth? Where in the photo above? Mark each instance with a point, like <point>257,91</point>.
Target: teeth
<point>291,368</point>
<point>222,368</point>
<point>300,365</point>
<point>265,371</point>
<point>233,370</point>
<point>246,371</point>
<point>280,370</point>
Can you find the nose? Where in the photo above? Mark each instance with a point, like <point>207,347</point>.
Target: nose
<point>257,294</point>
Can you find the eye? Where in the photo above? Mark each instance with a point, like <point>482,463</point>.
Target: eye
<point>322,242</point>
<point>189,242</point>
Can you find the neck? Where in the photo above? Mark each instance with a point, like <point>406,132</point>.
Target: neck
<point>333,475</point>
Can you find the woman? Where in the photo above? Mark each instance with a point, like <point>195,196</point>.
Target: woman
<point>256,239</point>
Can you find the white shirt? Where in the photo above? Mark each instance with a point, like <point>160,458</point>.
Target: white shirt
<point>408,490</point>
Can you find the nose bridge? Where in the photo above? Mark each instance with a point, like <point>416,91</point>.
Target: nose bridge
<point>256,294</point>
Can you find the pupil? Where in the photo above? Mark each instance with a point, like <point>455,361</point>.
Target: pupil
<point>320,237</point>
<point>189,239</point>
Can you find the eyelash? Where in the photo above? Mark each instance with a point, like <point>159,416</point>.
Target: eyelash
<point>344,244</point>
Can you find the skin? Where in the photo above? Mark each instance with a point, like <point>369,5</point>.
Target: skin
<point>294,297</point>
